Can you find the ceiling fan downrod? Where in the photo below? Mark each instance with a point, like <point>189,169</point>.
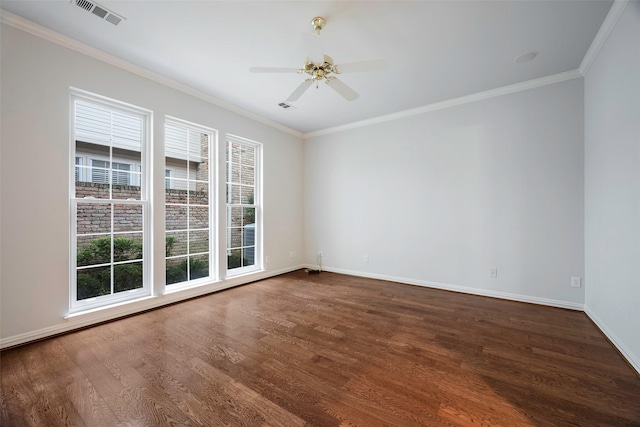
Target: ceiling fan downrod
<point>318,23</point>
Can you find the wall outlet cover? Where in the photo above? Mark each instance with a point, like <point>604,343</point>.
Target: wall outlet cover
<point>576,282</point>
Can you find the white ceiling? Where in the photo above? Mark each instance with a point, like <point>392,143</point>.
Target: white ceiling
<point>436,50</point>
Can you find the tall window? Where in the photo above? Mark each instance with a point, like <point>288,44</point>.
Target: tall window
<point>110,250</point>
<point>243,205</point>
<point>188,201</point>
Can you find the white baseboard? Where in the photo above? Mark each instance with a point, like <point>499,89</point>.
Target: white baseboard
<point>82,320</point>
<point>633,359</point>
<point>463,289</point>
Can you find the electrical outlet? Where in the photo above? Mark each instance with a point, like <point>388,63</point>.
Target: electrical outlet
<point>266,259</point>
<point>320,254</point>
<point>576,282</point>
<point>493,273</point>
<point>292,254</point>
<point>366,258</point>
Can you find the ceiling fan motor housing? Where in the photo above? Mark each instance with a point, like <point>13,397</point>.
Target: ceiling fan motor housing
<point>319,71</point>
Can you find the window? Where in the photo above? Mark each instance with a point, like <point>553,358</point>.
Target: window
<point>243,205</point>
<point>167,179</point>
<point>188,202</point>
<point>110,249</point>
<point>124,170</point>
<point>79,170</point>
<point>99,171</point>
<point>111,253</point>
<point>120,172</point>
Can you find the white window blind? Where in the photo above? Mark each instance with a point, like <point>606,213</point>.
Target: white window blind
<point>182,143</point>
<point>104,126</point>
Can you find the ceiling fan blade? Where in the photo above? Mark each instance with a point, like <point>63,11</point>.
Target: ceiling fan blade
<point>344,90</point>
<point>273,70</point>
<point>358,66</point>
<point>313,47</point>
<point>300,90</point>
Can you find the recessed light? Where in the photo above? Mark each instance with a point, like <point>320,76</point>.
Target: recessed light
<point>526,57</point>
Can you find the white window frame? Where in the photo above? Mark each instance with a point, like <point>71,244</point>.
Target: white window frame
<point>257,205</point>
<point>212,207</point>
<point>75,305</point>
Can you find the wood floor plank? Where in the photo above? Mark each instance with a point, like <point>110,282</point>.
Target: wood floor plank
<point>17,393</point>
<point>326,350</point>
<point>244,398</point>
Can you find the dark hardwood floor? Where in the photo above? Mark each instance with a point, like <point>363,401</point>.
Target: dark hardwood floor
<point>326,350</point>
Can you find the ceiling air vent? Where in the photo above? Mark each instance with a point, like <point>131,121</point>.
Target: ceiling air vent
<point>114,19</point>
<point>285,105</point>
<point>100,11</point>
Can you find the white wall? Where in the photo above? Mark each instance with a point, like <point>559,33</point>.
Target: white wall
<point>34,176</point>
<point>612,186</point>
<point>441,198</point>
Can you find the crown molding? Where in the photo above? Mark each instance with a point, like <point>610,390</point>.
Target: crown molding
<point>37,30</point>
<point>607,26</point>
<point>505,90</point>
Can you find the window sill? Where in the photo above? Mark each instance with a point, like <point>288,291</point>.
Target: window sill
<point>110,307</point>
<point>243,272</point>
<point>178,287</point>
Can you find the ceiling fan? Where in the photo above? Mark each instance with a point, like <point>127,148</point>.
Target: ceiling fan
<point>321,67</point>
